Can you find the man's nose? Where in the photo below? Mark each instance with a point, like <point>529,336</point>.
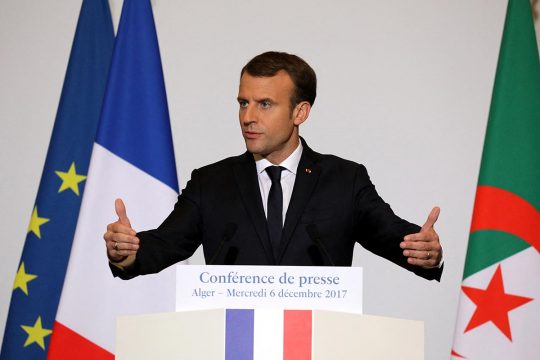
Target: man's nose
<point>248,115</point>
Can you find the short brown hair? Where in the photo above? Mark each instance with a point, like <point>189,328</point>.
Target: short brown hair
<point>302,75</point>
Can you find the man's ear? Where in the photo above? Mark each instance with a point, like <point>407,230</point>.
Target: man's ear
<point>301,112</point>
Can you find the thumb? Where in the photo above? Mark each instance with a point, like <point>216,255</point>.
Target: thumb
<point>120,209</point>
<point>432,218</point>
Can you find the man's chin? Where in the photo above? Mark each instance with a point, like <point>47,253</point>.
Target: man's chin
<point>255,151</point>
<point>252,146</point>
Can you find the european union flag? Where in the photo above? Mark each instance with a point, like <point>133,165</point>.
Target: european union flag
<point>40,275</point>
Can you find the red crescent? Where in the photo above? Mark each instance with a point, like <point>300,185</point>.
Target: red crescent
<point>499,209</point>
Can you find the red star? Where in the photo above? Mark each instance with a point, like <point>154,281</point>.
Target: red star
<point>493,304</point>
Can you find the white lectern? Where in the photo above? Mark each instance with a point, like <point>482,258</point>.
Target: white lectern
<point>239,333</point>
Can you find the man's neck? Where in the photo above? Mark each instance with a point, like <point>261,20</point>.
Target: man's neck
<point>278,157</point>
<point>290,163</point>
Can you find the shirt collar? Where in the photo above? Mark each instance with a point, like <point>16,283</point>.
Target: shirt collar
<point>290,163</point>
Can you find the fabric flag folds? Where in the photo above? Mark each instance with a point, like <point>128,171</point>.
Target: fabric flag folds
<point>132,159</point>
<point>499,309</point>
<point>40,275</point>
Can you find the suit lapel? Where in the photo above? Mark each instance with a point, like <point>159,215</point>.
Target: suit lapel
<point>245,173</point>
<point>307,176</point>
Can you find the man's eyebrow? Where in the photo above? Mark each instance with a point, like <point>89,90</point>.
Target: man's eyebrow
<point>265,99</point>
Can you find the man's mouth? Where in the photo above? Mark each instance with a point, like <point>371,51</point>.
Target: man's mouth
<point>251,134</point>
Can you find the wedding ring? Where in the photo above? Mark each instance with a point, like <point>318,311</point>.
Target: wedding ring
<point>115,245</point>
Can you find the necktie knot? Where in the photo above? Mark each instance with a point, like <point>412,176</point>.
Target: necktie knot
<point>274,172</point>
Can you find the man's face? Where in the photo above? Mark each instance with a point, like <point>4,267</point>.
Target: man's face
<point>269,125</point>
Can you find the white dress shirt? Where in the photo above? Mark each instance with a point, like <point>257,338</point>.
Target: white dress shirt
<point>287,178</point>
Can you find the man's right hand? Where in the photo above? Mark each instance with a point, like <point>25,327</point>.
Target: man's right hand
<point>121,240</point>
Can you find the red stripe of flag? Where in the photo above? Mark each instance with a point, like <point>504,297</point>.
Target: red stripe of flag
<point>297,335</point>
<point>67,344</point>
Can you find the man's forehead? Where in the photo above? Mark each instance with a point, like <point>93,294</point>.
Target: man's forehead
<point>272,85</point>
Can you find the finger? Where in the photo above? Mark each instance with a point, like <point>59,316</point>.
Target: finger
<point>120,209</point>
<point>122,246</point>
<point>431,263</point>
<point>419,254</point>
<point>117,227</point>
<point>432,218</point>
<point>120,238</point>
<point>416,245</point>
<point>420,237</point>
<point>125,253</point>
<point>121,255</point>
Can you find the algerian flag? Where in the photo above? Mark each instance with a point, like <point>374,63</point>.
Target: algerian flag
<point>499,310</point>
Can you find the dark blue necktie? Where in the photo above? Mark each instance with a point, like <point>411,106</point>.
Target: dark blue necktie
<point>274,216</point>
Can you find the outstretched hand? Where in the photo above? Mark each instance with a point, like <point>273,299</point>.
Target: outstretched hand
<point>423,248</point>
<point>121,240</point>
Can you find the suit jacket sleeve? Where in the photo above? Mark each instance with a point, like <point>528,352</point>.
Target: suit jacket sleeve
<point>176,239</point>
<point>380,230</point>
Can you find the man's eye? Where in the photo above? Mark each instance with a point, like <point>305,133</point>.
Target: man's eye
<point>243,104</point>
<point>265,104</point>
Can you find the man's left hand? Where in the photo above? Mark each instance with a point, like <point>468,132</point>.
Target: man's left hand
<point>423,248</point>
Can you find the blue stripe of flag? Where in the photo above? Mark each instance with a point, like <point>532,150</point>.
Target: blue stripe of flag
<point>135,120</point>
<point>71,142</point>
<point>239,334</point>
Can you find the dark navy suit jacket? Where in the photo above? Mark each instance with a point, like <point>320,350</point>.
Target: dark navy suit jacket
<point>333,206</point>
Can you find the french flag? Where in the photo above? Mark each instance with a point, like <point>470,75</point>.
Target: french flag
<point>132,159</point>
<point>268,334</point>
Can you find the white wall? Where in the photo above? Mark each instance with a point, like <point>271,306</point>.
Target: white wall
<point>404,87</point>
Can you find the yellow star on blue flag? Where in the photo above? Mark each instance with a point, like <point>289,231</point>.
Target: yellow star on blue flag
<point>36,334</point>
<point>70,179</point>
<point>22,279</point>
<point>36,222</point>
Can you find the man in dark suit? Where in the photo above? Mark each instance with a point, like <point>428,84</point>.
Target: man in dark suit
<point>280,203</point>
